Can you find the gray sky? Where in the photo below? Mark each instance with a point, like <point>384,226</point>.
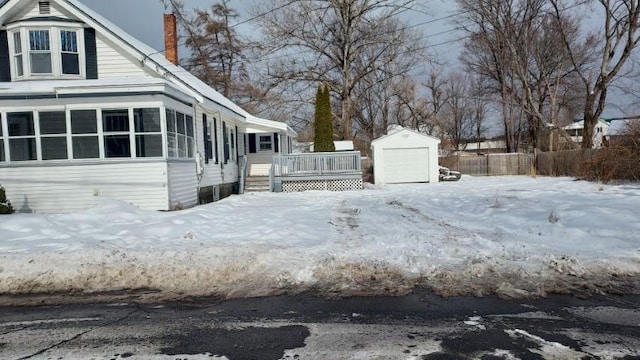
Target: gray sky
<point>143,20</point>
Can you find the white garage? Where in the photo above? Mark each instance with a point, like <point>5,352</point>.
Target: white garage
<point>405,156</point>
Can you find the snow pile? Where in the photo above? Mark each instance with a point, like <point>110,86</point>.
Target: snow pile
<point>515,236</point>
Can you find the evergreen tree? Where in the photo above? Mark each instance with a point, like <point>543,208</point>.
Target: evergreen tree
<point>5,205</point>
<point>323,124</point>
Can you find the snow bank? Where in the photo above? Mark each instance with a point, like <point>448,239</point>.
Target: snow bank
<point>514,236</point>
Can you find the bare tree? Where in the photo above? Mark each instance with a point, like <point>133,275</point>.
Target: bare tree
<point>479,108</point>
<point>486,53</point>
<point>436,97</point>
<point>339,41</point>
<point>218,54</point>
<point>459,111</point>
<point>613,44</point>
<point>516,44</point>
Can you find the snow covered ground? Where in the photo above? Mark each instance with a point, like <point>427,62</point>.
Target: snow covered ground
<point>514,236</point>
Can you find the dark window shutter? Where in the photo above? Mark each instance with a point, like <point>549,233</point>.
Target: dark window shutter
<point>225,136</point>
<point>5,61</point>
<point>215,137</point>
<point>206,137</point>
<point>237,148</point>
<point>276,142</point>
<point>252,143</point>
<point>91,53</point>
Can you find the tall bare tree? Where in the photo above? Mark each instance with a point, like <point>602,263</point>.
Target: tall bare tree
<point>486,54</point>
<point>342,42</point>
<point>458,110</point>
<point>517,45</point>
<point>612,45</point>
<point>218,54</point>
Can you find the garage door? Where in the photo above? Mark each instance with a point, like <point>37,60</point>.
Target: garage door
<point>406,165</point>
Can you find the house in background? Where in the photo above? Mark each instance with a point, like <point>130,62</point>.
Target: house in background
<point>575,129</point>
<point>89,112</point>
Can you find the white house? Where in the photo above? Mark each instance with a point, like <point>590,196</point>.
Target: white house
<point>575,130</point>
<point>89,112</point>
<point>405,156</point>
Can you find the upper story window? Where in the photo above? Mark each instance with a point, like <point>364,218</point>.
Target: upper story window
<point>46,52</point>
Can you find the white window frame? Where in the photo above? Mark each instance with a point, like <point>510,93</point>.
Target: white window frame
<point>18,56</point>
<point>184,143</point>
<point>260,142</point>
<point>55,45</point>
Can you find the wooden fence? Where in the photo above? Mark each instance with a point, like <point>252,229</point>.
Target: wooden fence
<point>491,164</point>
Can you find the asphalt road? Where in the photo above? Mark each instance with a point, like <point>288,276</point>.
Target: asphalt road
<point>417,326</point>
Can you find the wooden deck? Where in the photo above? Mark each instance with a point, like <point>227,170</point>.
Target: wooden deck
<point>317,171</point>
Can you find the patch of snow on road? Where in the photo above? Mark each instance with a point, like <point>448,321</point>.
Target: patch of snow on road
<point>481,235</point>
<point>548,349</point>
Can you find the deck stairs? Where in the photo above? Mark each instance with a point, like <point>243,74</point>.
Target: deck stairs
<point>256,184</point>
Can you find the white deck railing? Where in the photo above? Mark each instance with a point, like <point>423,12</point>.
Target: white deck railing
<point>314,164</point>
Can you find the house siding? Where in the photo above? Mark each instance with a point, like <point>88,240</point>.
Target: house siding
<point>67,188</point>
<point>183,184</point>
<point>33,10</point>
<point>112,64</point>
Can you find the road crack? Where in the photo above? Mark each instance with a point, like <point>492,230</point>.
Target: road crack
<point>79,335</point>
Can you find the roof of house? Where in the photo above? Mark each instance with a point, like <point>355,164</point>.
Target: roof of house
<point>156,61</point>
<point>579,124</point>
<point>396,129</point>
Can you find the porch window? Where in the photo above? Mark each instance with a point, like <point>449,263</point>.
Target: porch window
<point>190,136</point>
<point>115,125</point>
<point>266,143</point>
<point>22,136</point>
<point>172,134</point>
<point>53,132</point>
<point>180,135</point>
<point>84,134</point>
<point>148,132</point>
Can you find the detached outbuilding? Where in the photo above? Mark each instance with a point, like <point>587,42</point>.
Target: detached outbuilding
<point>405,156</point>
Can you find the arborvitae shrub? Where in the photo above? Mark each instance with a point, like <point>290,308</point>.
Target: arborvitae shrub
<point>323,124</point>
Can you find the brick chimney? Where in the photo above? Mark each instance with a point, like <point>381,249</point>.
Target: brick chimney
<point>170,38</point>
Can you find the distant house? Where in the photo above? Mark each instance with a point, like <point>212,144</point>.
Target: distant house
<point>486,146</point>
<point>575,130</point>
<point>88,112</point>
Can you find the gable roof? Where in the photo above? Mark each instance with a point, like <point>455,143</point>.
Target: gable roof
<point>397,129</point>
<point>154,60</point>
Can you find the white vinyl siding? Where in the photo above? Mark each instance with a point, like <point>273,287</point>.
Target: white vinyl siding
<point>183,185</point>
<point>112,64</point>
<point>59,189</point>
<point>34,11</point>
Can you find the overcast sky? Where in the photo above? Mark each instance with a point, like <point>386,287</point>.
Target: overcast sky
<point>143,20</point>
